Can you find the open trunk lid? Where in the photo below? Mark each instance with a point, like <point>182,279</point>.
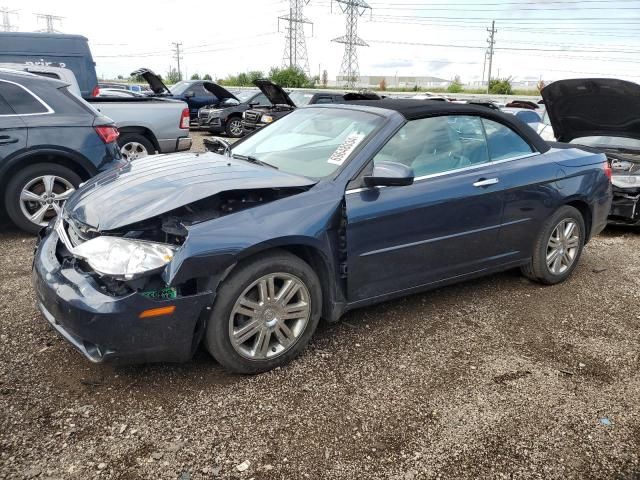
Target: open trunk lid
<point>155,83</point>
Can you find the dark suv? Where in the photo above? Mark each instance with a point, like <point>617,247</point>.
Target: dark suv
<point>50,141</point>
<point>226,117</point>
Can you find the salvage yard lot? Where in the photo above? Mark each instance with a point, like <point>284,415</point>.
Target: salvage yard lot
<point>495,378</point>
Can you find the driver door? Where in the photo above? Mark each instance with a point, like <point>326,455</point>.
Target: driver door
<point>443,226</point>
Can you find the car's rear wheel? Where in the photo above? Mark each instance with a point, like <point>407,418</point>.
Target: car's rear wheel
<point>557,248</point>
<point>234,128</point>
<point>264,314</point>
<point>37,193</point>
<point>134,146</point>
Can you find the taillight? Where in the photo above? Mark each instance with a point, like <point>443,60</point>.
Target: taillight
<point>108,133</point>
<point>607,169</point>
<point>95,92</point>
<point>184,119</point>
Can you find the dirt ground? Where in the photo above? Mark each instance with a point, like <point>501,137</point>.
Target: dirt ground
<point>495,378</point>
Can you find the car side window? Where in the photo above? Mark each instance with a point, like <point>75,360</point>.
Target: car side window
<point>5,109</point>
<point>437,144</point>
<point>503,142</point>
<point>20,100</point>
<point>200,91</point>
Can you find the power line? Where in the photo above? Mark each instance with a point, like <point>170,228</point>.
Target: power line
<point>6,20</point>
<point>295,49</point>
<point>492,41</point>
<point>178,57</point>
<point>50,20</point>
<point>353,9</point>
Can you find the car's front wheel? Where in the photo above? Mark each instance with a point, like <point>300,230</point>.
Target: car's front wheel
<point>557,248</point>
<point>234,128</point>
<point>264,314</point>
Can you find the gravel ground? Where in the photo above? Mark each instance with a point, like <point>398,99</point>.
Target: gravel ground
<point>495,378</point>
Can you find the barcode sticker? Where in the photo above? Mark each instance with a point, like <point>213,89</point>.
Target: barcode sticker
<point>345,148</point>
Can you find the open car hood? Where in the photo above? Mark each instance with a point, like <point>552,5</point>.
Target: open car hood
<point>589,107</point>
<point>219,91</point>
<point>155,83</point>
<point>159,184</point>
<point>274,92</point>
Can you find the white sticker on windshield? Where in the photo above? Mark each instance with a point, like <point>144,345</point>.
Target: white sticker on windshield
<point>345,148</point>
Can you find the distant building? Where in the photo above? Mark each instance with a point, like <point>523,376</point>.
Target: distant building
<point>373,81</point>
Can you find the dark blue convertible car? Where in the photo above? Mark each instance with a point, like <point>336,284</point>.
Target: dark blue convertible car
<point>331,208</point>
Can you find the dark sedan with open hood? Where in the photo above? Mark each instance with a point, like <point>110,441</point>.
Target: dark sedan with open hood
<point>331,208</point>
<point>602,115</point>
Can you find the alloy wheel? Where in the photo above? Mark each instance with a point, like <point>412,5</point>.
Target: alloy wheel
<point>269,316</point>
<point>235,127</point>
<point>133,151</point>
<point>563,245</point>
<point>42,198</point>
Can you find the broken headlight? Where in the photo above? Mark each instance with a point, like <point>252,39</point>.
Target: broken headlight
<point>124,258</point>
<point>626,181</point>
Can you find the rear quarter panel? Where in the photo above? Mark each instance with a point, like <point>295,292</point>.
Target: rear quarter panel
<point>537,186</point>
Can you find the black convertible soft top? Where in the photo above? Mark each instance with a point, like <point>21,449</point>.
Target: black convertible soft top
<point>413,109</point>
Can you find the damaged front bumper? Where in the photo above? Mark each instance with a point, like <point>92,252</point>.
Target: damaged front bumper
<point>106,328</point>
<point>625,208</point>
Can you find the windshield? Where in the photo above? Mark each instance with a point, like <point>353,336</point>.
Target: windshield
<point>608,142</point>
<point>312,142</point>
<point>180,87</point>
<point>301,99</point>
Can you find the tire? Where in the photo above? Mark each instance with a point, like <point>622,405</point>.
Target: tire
<point>36,179</point>
<point>134,146</point>
<point>230,129</point>
<point>246,357</point>
<point>571,247</point>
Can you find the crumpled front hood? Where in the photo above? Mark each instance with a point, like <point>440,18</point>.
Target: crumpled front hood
<point>160,183</point>
<point>589,107</point>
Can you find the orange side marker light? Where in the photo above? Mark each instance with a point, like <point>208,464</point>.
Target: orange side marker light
<point>157,312</point>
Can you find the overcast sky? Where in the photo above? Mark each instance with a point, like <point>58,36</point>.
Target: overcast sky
<point>551,39</point>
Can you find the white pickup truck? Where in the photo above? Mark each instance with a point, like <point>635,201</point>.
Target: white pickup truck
<point>147,124</point>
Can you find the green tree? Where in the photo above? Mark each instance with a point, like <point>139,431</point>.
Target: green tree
<point>173,76</point>
<point>500,86</point>
<point>455,86</point>
<point>207,77</point>
<point>195,76</point>
<point>291,77</point>
<point>120,77</point>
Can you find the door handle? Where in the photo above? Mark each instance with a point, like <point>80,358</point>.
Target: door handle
<point>485,182</point>
<point>5,139</point>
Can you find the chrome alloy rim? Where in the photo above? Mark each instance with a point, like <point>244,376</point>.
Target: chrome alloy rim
<point>269,316</point>
<point>235,127</point>
<point>562,247</point>
<point>42,198</point>
<point>133,150</point>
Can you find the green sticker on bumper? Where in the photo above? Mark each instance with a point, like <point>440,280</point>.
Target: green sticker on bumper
<point>162,294</point>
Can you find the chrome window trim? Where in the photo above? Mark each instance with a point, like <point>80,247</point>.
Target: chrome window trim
<point>42,102</point>
<point>457,170</point>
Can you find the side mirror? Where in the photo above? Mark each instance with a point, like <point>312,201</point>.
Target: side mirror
<point>389,174</point>
<point>189,94</point>
<point>217,145</point>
